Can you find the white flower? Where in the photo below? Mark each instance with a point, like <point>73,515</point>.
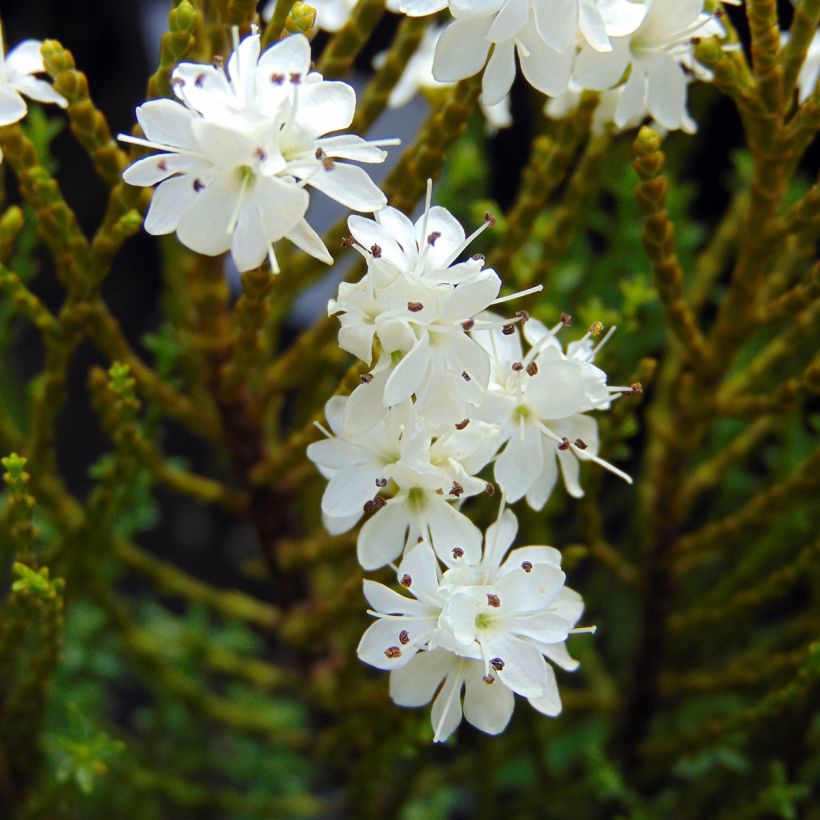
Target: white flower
<point>331,15</point>
<point>540,401</point>
<point>418,74</point>
<point>416,301</point>
<point>486,627</point>
<point>240,147</point>
<point>511,29</point>
<point>655,55</point>
<point>423,477</point>
<point>17,70</point>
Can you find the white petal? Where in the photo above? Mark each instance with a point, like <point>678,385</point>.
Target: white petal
<point>522,591</point>
<point>421,568</point>
<point>558,654</point>
<point>541,490</point>
<point>349,489</point>
<point>598,71</point>
<point>12,106</point>
<point>517,468</point>
<point>349,146</point>
<point>242,66</point>
<point>348,185</point>
<point>336,526</point>
<point>592,26</point>
<point>25,58</point>
<point>475,8</point>
<point>488,707</point>
<point>569,472</point>
<point>446,712</point>
<point>633,97</point>
<point>409,373</point>
<point>450,235</point>
<point>170,201</point>
<point>470,297</point>
<point>400,228</point>
<point>511,18</point>
<point>324,107</point>
<point>499,74</point>
<point>41,91</point>
<point>499,538</point>
<point>450,529</point>
<point>249,247</point>
<point>544,69</point>
<point>550,702</point>
<point>203,227</point>
<point>415,683</point>
<point>291,55</point>
<point>305,238</point>
<point>365,408</point>
<point>621,18</point>
<point>387,601</point>
<point>524,666</point>
<point>368,232</point>
<point>421,8</point>
<point>151,170</point>
<point>381,539</point>
<point>281,206</point>
<point>167,122</point>
<point>380,645</point>
<point>557,22</point>
<point>548,556</point>
<point>666,97</point>
<point>462,50</point>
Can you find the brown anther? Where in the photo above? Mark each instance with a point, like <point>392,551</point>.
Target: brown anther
<point>295,77</point>
<point>260,154</point>
<point>488,679</point>
<point>695,41</point>
<point>493,600</point>
<point>462,424</point>
<point>595,328</point>
<point>348,241</point>
<point>393,652</point>
<point>177,81</point>
<point>564,445</point>
<point>458,552</point>
<point>532,369</point>
<point>218,61</point>
<point>366,378</point>
<point>431,240</point>
<point>523,315</point>
<point>406,581</point>
<point>404,637</point>
<point>375,250</point>
<point>526,566</point>
<point>381,482</point>
<point>465,375</point>
<point>489,488</point>
<point>200,80</point>
<point>368,506</point>
<point>566,319</point>
<point>378,502</point>
<point>517,366</point>
<point>320,154</point>
<point>468,325</point>
<point>162,165</point>
<point>636,388</point>
<point>581,444</point>
<point>415,307</point>
<point>456,489</point>
<point>328,164</point>
<point>489,218</point>
<point>277,78</point>
<point>508,330</point>
<point>478,257</point>
<point>198,186</point>
<point>497,664</point>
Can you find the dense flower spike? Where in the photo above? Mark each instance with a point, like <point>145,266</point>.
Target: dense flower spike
<point>17,70</point>
<point>241,145</point>
<point>486,627</point>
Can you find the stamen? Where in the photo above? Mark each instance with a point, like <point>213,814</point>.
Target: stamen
<point>518,295</point>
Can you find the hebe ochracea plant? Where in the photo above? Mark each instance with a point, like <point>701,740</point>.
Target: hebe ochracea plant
<point>376,490</point>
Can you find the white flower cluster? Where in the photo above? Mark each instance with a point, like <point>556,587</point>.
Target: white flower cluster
<point>486,627</point>
<point>449,391</point>
<point>17,80</point>
<point>641,50</point>
<point>241,145</point>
